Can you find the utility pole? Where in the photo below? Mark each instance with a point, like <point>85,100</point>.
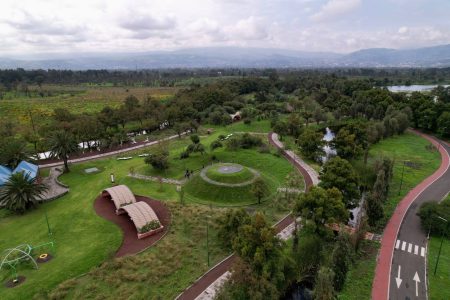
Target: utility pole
<point>440,247</point>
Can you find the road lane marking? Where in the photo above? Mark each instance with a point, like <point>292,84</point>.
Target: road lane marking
<point>410,248</point>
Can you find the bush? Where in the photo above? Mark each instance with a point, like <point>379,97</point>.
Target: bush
<point>159,160</point>
<point>152,225</point>
<point>429,214</point>
<point>184,155</point>
<point>247,121</point>
<point>215,145</point>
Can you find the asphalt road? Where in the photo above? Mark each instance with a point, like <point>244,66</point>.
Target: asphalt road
<point>408,269</point>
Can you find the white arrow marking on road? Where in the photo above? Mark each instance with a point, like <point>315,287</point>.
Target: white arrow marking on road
<point>417,280</point>
<point>398,279</point>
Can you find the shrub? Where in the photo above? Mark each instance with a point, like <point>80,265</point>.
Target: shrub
<point>247,121</point>
<point>184,154</point>
<point>159,160</point>
<point>215,145</point>
<point>152,225</point>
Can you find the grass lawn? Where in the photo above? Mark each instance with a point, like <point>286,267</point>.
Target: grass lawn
<point>438,285</point>
<point>86,243</point>
<point>410,152</point>
<point>406,147</point>
<point>358,284</point>
<point>438,288</point>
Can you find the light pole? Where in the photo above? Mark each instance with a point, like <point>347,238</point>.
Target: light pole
<point>207,238</point>
<point>440,247</point>
<point>49,230</point>
<point>401,180</point>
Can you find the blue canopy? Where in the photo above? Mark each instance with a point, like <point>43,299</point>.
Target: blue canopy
<point>27,168</point>
<point>4,174</point>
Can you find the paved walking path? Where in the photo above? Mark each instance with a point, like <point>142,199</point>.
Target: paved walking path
<point>109,153</point>
<point>206,286</point>
<point>306,170</point>
<point>158,179</point>
<point>401,272</point>
<point>55,188</point>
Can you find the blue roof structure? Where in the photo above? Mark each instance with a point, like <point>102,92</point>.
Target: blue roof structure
<point>27,168</point>
<point>24,167</point>
<point>4,174</point>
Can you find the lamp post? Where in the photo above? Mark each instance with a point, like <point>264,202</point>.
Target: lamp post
<point>207,239</point>
<point>49,230</point>
<point>440,247</point>
<point>401,180</point>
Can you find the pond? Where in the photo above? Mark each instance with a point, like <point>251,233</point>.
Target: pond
<point>412,88</point>
<point>329,151</point>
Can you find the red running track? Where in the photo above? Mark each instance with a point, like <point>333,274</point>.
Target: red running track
<point>380,286</point>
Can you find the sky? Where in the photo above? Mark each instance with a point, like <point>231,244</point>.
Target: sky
<point>32,27</point>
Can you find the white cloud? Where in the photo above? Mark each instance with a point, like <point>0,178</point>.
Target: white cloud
<point>334,8</point>
<point>403,29</point>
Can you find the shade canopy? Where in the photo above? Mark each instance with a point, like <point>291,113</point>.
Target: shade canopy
<point>121,195</point>
<point>140,213</point>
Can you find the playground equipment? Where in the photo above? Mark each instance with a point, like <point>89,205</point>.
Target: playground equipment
<point>23,253</point>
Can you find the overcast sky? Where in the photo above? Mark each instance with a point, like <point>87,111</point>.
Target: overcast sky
<point>77,26</point>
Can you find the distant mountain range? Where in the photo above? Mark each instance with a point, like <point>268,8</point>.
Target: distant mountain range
<point>223,57</point>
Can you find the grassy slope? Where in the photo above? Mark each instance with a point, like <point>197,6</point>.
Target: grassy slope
<point>405,147</point>
<point>84,240</point>
<point>438,287</point>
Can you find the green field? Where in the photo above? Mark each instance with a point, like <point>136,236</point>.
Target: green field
<point>438,287</point>
<point>358,284</point>
<point>77,99</point>
<point>86,243</point>
<point>407,147</point>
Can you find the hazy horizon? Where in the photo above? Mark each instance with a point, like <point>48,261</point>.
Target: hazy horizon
<point>85,27</point>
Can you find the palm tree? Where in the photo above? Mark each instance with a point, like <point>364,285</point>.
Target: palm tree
<point>63,143</point>
<point>21,192</point>
<point>12,152</point>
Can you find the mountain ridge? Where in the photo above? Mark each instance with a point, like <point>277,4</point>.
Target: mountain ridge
<point>223,57</point>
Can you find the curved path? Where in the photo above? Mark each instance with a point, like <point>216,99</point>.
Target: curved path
<point>401,268</point>
<point>204,287</point>
<point>130,243</point>
<point>55,188</point>
<point>105,153</point>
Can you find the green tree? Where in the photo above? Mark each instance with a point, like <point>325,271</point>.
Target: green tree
<point>341,260</point>
<point>281,128</point>
<point>374,209</point>
<point>443,124</point>
<point>346,144</point>
<point>21,192</point>
<point>338,172</point>
<point>259,189</point>
<point>62,144</point>
<point>311,143</point>
<point>12,152</point>
<point>323,289</point>
<point>229,224</point>
<point>159,159</point>
<point>257,245</point>
<point>318,207</point>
